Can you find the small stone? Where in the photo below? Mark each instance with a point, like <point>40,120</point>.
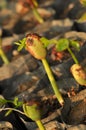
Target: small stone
<point>15,53</point>
<point>5,125</point>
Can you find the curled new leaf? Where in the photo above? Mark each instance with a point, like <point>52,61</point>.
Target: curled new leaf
<point>62,44</point>
<point>79,74</point>
<point>45,41</point>
<point>75,44</point>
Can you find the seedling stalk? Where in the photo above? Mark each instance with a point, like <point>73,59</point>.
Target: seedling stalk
<point>40,125</point>
<point>34,5</point>
<point>2,54</point>
<point>37,15</point>
<point>52,81</point>
<point>73,56</point>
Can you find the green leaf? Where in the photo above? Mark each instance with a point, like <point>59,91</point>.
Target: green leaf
<point>75,44</point>
<point>17,43</point>
<point>2,101</point>
<point>16,102</point>
<point>53,41</point>
<point>45,41</point>
<point>21,44</point>
<point>62,44</point>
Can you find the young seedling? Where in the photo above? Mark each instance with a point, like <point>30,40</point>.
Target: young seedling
<point>33,43</point>
<point>15,102</point>
<point>33,6</point>
<point>31,109</point>
<point>64,44</point>
<point>2,54</point>
<point>77,71</point>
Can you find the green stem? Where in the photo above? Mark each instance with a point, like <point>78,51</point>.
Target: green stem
<point>37,15</point>
<point>3,56</point>
<point>40,125</point>
<point>35,3</point>
<point>73,56</point>
<point>52,81</point>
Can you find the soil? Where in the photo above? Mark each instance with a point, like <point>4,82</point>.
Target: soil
<point>24,77</point>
